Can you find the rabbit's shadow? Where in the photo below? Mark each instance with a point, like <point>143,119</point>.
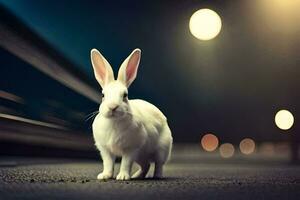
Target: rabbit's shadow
<point>151,179</point>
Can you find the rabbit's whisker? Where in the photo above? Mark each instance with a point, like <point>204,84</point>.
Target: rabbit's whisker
<point>91,115</point>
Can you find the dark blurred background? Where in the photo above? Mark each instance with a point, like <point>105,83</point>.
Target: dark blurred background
<point>231,86</point>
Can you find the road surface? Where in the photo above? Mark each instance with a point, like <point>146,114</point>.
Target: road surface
<point>76,179</point>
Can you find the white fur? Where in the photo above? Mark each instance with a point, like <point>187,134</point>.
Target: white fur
<point>135,130</point>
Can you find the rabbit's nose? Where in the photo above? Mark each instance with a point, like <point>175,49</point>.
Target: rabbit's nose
<point>113,107</point>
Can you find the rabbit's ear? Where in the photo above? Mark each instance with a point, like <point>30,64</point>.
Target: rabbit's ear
<point>102,69</point>
<point>129,67</point>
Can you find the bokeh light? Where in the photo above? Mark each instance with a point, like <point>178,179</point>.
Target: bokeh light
<point>267,149</point>
<point>282,148</point>
<point>226,150</point>
<point>205,24</point>
<point>247,146</point>
<point>284,119</point>
<point>209,142</point>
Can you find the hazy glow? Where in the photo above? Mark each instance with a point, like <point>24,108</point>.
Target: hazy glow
<point>267,149</point>
<point>226,150</point>
<point>209,142</point>
<point>205,24</point>
<point>282,148</point>
<point>247,146</point>
<point>280,16</point>
<point>284,119</point>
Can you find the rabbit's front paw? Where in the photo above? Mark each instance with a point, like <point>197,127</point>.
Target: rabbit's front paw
<point>122,176</point>
<point>104,176</point>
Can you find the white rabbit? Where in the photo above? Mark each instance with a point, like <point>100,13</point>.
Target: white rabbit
<point>135,130</point>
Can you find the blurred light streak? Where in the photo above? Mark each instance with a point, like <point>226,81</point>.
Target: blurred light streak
<point>30,47</point>
<point>11,97</point>
<point>30,121</point>
<point>284,119</point>
<point>226,150</point>
<point>247,146</point>
<point>205,24</point>
<point>48,117</point>
<point>209,142</point>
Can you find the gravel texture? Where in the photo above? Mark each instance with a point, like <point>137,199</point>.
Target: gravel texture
<point>58,179</point>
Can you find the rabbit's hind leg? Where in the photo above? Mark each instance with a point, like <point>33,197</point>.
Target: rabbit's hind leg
<point>163,152</point>
<point>160,159</point>
<point>142,171</point>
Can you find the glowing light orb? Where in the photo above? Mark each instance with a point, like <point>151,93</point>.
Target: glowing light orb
<point>284,119</point>
<point>247,146</point>
<point>205,24</point>
<point>226,150</point>
<point>209,142</point>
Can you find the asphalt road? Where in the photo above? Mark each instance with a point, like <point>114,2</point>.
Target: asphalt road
<point>76,179</point>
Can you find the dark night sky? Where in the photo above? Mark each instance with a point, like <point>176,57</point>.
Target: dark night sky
<point>231,86</point>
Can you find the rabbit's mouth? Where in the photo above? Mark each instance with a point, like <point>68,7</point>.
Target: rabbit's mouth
<point>116,114</point>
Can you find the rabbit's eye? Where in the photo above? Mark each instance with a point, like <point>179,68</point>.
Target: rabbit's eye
<point>125,95</point>
<point>102,95</point>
